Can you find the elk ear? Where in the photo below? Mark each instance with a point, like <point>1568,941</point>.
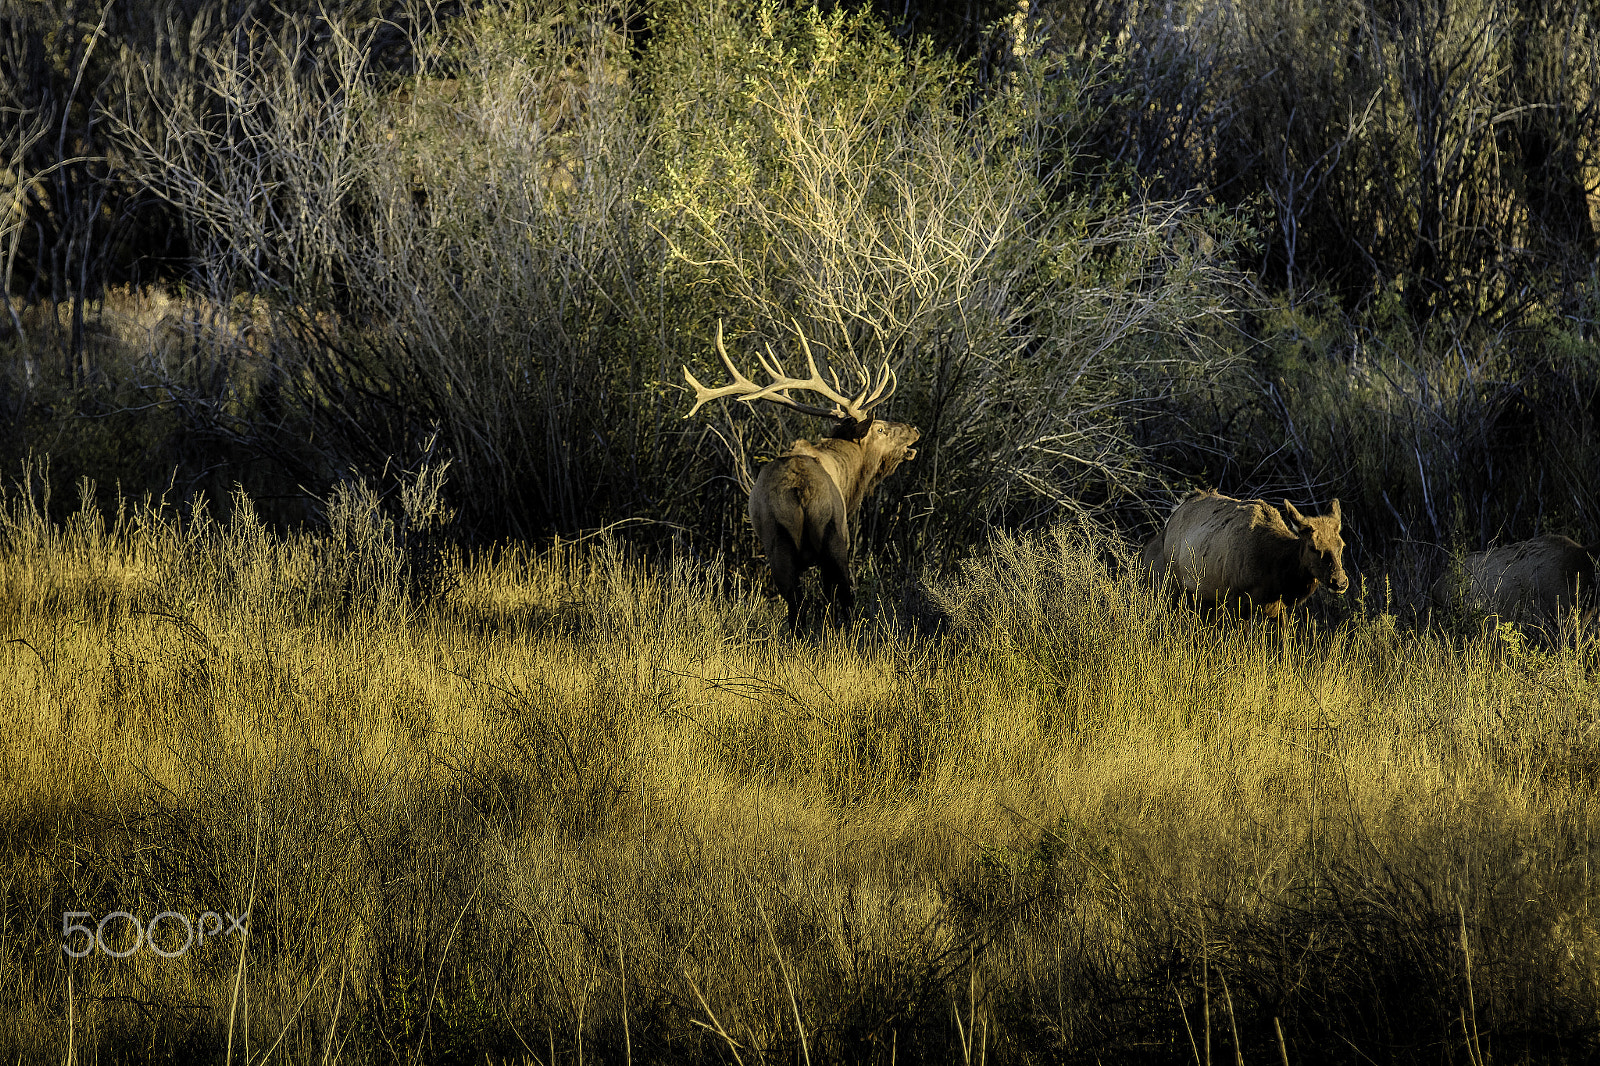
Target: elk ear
<point>1333,511</point>
<point>1297,521</point>
<point>851,429</point>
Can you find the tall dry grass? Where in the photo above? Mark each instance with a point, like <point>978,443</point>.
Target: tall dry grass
<point>583,805</point>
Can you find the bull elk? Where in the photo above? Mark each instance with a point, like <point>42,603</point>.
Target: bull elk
<point>1247,556</point>
<point>804,503</point>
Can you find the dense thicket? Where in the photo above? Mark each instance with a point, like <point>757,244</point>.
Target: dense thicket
<point>1447,149</point>
<point>1317,248</point>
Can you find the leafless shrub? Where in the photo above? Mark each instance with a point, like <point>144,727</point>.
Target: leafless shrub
<point>868,196</point>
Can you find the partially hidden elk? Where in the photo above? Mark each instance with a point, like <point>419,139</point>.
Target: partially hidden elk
<point>1247,557</point>
<point>1542,581</point>
<point>804,503</point>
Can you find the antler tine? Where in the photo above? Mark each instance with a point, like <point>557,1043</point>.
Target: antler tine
<point>832,373</point>
<point>771,364</point>
<point>805,346</point>
<point>781,379</point>
<point>871,394</point>
<point>782,382</point>
<point>777,389</point>
<point>724,353</point>
<point>861,397</point>
<point>704,395</point>
<point>887,383</point>
<point>849,408</point>
<point>864,378</point>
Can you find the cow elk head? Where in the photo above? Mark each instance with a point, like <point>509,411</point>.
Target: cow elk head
<point>1321,546</point>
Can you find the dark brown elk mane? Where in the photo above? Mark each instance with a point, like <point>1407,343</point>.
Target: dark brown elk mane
<point>804,503</point>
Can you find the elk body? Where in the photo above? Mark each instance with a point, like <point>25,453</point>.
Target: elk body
<point>805,502</point>
<point>1243,555</point>
<point>1540,580</point>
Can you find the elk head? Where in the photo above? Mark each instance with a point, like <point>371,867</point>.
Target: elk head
<point>1321,546</point>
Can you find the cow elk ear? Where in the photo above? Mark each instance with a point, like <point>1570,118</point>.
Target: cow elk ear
<point>1297,521</point>
<point>1333,511</point>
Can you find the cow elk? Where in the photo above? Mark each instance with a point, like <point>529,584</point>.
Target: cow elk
<point>804,503</point>
<point>1247,557</point>
<point>1542,581</point>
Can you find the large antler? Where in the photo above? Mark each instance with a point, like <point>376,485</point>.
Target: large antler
<point>858,408</point>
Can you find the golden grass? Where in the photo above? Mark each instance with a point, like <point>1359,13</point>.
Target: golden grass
<point>592,806</point>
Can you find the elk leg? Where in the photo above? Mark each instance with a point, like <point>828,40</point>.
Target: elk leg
<point>836,579</point>
<point>786,575</point>
<point>841,590</point>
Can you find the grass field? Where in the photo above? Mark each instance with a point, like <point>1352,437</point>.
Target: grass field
<point>583,807</point>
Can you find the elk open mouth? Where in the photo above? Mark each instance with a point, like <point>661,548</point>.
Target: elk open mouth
<point>911,453</point>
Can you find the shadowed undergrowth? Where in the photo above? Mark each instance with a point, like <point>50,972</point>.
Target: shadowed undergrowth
<point>586,805</point>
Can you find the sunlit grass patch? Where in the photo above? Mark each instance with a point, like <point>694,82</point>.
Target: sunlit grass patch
<point>579,792</point>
